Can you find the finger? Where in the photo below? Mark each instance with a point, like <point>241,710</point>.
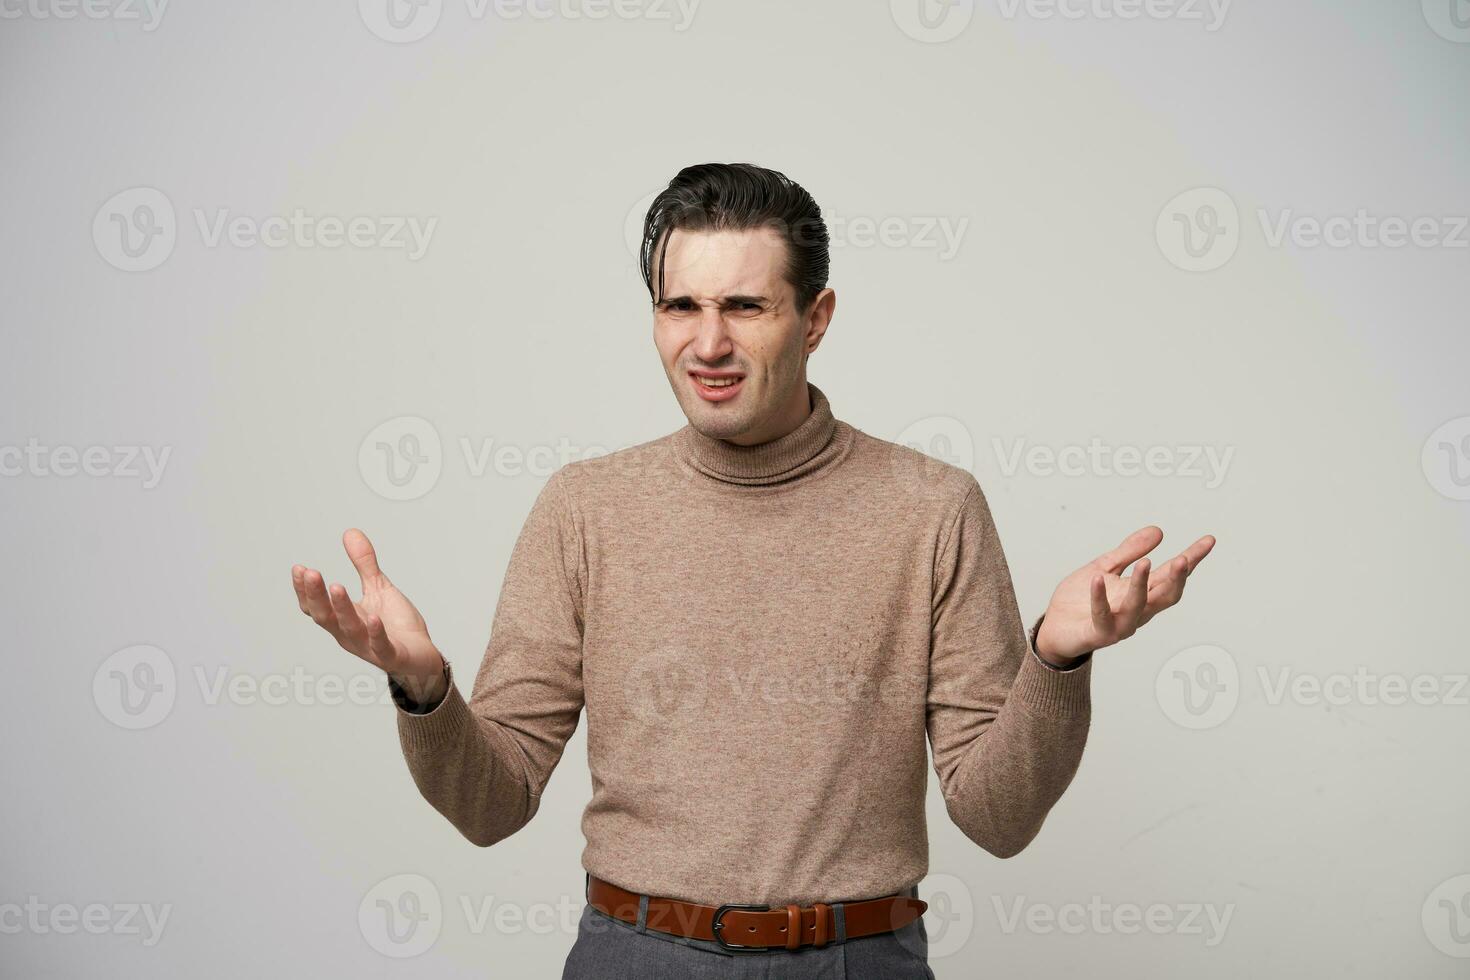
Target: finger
<point>1165,593</point>
<point>379,646</point>
<point>364,558</point>
<point>1167,575</point>
<point>298,582</point>
<point>1102,613</point>
<point>1196,552</point>
<point>349,624</point>
<point>1132,548</point>
<point>318,605</point>
<point>1134,602</point>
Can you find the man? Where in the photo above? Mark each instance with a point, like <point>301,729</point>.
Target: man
<point>764,615</point>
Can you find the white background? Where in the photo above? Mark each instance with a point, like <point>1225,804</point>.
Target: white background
<point>1332,834</point>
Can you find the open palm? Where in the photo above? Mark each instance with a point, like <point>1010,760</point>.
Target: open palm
<point>383,628</point>
<point>1097,605</point>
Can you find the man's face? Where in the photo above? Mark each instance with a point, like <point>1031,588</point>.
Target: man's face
<point>731,339</point>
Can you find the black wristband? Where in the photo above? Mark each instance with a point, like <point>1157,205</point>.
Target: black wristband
<point>408,704</point>
<point>1031,641</point>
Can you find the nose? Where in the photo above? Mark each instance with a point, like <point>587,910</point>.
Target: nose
<point>712,341</point>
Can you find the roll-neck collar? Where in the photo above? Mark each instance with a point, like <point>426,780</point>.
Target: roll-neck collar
<point>817,442</point>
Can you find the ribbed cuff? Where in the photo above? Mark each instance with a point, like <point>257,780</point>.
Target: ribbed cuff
<point>1051,689</point>
<point>405,701</point>
<point>441,724</point>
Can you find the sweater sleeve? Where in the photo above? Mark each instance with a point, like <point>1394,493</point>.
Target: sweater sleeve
<point>483,763</point>
<point>1007,729</point>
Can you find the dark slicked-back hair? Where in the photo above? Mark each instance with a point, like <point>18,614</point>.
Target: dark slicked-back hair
<point>738,197</point>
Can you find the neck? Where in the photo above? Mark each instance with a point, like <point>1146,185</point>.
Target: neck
<point>797,409</point>
<point>818,440</point>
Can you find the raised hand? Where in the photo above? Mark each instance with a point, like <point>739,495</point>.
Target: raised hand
<point>383,628</point>
<point>1096,606</point>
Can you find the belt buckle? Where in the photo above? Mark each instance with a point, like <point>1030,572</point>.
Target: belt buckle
<point>716,926</point>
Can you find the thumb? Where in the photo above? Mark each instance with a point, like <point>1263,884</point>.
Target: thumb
<point>364,558</point>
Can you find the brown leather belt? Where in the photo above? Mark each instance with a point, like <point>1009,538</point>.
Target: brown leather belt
<point>757,928</point>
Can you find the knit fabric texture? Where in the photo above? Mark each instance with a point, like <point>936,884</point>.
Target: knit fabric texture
<point>763,638</point>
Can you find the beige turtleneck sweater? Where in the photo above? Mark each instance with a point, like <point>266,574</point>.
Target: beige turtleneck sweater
<point>762,638</point>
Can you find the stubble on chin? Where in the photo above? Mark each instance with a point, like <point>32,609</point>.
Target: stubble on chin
<point>718,424</point>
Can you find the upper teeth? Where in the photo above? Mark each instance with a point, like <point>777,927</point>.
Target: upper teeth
<point>718,382</point>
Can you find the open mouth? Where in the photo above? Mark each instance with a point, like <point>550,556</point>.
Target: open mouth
<point>716,385</point>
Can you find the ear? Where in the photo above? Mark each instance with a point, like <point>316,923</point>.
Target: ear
<point>818,318</point>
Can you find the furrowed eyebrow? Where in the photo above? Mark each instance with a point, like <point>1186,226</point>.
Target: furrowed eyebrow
<point>726,301</point>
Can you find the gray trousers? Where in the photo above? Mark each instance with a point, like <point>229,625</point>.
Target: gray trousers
<point>611,949</point>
